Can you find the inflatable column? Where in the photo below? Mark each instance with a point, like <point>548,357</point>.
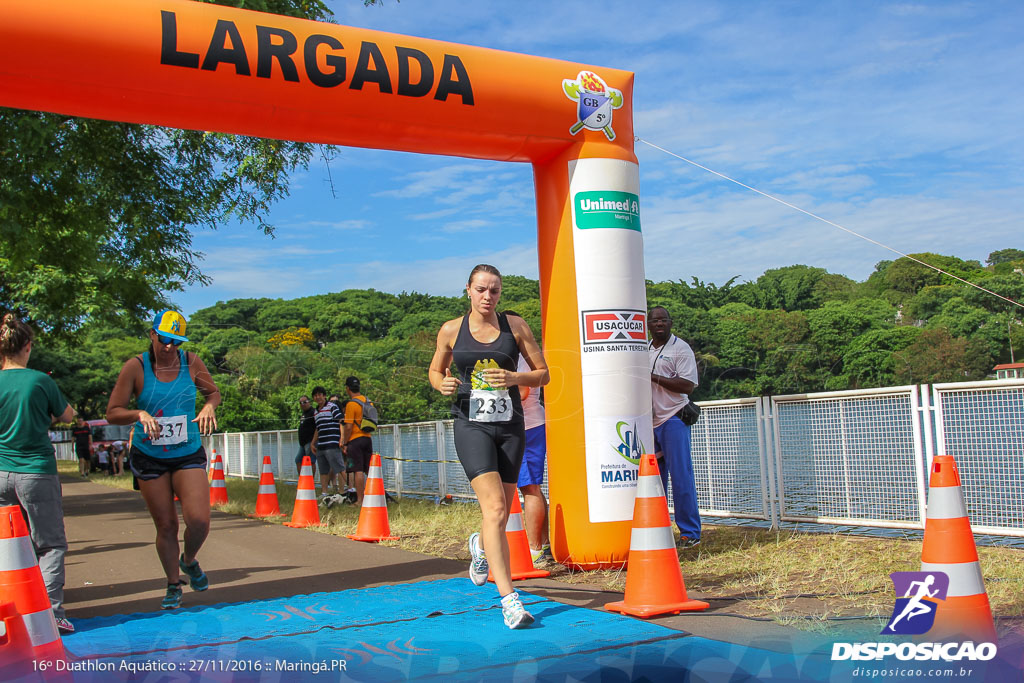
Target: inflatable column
<point>595,335</point>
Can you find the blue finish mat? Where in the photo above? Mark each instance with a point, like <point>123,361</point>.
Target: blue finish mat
<point>437,630</point>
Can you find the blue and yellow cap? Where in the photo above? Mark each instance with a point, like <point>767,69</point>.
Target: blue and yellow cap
<point>170,324</point>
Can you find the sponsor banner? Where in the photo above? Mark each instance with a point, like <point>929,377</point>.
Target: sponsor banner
<point>612,304</point>
<point>607,210</point>
<point>613,452</point>
<point>614,330</point>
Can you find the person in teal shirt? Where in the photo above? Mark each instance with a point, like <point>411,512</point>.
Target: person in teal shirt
<point>29,403</point>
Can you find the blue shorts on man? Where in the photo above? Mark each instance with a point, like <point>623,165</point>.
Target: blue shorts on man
<point>532,469</point>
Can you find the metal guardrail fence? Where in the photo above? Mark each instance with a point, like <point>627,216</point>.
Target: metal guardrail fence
<point>850,458</point>
<point>857,458</point>
<point>981,425</point>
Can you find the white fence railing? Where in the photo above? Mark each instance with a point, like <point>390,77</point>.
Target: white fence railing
<point>857,458</point>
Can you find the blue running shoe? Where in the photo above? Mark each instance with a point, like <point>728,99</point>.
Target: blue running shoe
<point>172,600</point>
<point>196,576</point>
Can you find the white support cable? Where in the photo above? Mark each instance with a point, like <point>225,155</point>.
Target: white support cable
<point>825,220</point>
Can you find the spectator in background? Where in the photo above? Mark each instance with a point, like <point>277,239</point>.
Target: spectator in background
<point>531,472</point>
<point>673,379</point>
<point>349,477</point>
<point>82,434</point>
<point>327,442</point>
<point>103,458</point>
<point>117,457</point>
<point>358,446</point>
<point>29,403</point>
<point>307,427</point>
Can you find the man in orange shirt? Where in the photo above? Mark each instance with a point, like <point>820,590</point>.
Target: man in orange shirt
<point>357,446</point>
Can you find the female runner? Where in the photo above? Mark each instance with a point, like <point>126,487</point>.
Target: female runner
<point>489,430</point>
<point>167,457</point>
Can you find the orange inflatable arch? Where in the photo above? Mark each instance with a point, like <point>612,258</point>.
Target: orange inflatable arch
<point>208,67</point>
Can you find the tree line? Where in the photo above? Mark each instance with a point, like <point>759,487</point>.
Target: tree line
<point>796,329</point>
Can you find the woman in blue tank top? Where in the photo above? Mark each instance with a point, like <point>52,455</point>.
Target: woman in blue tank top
<point>167,457</point>
<point>489,430</point>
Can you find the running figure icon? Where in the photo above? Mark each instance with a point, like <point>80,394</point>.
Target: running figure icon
<point>915,606</point>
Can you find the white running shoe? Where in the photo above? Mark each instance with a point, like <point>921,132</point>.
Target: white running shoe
<point>478,566</point>
<point>514,613</point>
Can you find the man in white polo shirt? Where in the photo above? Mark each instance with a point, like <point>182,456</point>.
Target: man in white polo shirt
<point>673,379</point>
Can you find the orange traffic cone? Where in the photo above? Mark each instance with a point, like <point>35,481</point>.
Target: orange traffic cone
<point>213,461</point>
<point>949,547</point>
<point>218,488</point>
<point>305,512</point>
<point>15,645</point>
<point>373,515</point>
<point>21,582</point>
<point>266,497</point>
<point>520,560</point>
<point>654,580</point>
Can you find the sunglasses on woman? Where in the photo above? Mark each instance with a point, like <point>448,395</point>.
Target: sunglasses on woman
<point>167,340</point>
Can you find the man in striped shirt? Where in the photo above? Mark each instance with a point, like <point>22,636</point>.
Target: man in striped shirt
<point>327,441</point>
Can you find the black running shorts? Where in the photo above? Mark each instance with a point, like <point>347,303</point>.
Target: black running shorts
<point>490,447</point>
<point>146,468</point>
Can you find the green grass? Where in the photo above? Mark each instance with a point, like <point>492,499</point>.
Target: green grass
<point>795,578</point>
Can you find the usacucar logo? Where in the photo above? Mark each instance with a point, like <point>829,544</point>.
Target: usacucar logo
<point>614,325</point>
<point>595,102</point>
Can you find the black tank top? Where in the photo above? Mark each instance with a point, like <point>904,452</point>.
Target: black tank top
<point>470,354</point>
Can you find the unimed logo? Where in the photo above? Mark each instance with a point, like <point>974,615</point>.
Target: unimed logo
<point>614,325</point>
<point>607,209</point>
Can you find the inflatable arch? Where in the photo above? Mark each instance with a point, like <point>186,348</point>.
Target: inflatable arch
<point>207,67</point>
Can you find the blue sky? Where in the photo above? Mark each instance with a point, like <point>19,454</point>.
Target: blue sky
<point>899,121</point>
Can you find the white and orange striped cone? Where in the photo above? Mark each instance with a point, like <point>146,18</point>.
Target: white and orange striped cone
<point>373,515</point>
<point>213,461</point>
<point>949,547</point>
<point>218,488</point>
<point>305,513</point>
<point>16,661</point>
<point>654,580</point>
<point>21,582</point>
<point>266,497</point>
<point>520,560</point>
